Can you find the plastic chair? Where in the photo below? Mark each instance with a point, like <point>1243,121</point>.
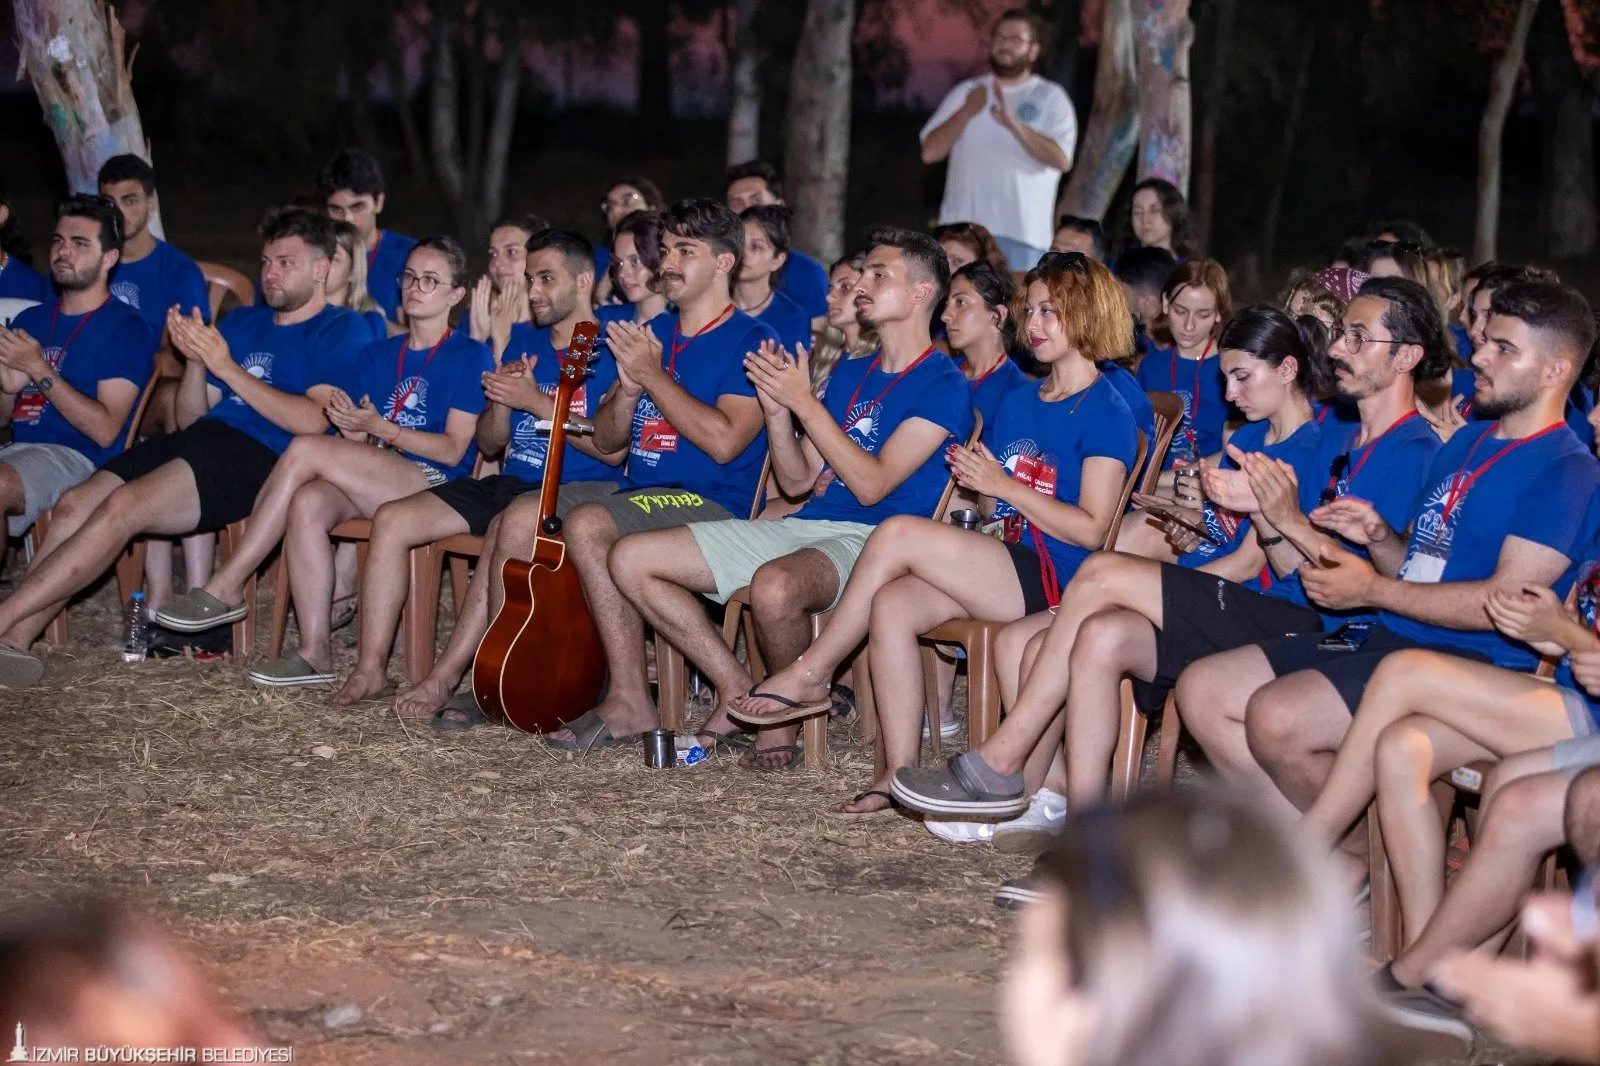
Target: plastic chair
<point>221,281</point>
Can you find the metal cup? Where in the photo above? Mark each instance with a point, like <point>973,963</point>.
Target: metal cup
<point>660,749</point>
<point>966,518</point>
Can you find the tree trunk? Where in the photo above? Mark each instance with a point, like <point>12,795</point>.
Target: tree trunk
<point>400,92</point>
<point>1065,18</point>
<point>1112,134</point>
<point>1166,35</point>
<point>444,116</point>
<point>74,53</point>
<point>1491,131</point>
<point>1291,132</point>
<point>744,85</point>
<point>475,36</point>
<point>654,20</point>
<point>507,81</point>
<point>1566,133</point>
<point>817,156</point>
<point>1205,175</point>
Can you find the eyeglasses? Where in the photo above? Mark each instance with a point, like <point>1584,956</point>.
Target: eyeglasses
<point>1336,472</point>
<point>423,283</point>
<point>1358,339</point>
<point>618,203</point>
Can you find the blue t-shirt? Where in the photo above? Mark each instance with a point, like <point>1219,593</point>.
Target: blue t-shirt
<point>426,389</point>
<point>292,359</point>
<point>606,314</point>
<point>109,342</point>
<point>377,325</point>
<point>1138,401</point>
<point>1538,490</point>
<point>1462,341</point>
<point>165,277</point>
<point>1302,451</point>
<point>19,281</point>
<point>804,281</point>
<point>525,454</point>
<point>1044,445</point>
<point>789,321</point>
<point>855,395</point>
<point>1587,585</point>
<point>1390,473</point>
<point>1199,384</point>
<point>385,260</point>
<point>707,367</point>
<point>989,390</point>
<point>1579,403</point>
<point>602,260</point>
<point>1464,385</point>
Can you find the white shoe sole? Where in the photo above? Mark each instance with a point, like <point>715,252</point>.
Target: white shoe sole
<point>291,682</point>
<point>986,808</point>
<point>180,626</point>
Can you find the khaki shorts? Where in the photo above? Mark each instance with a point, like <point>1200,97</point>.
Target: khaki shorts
<point>736,549</point>
<point>46,471</point>
<point>646,510</point>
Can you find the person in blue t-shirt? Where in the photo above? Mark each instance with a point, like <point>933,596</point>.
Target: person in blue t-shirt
<point>559,268</point>
<point>248,387</point>
<point>1051,471</point>
<point>1184,358</point>
<point>755,183</point>
<point>626,197</point>
<point>1504,508</point>
<point>420,395</point>
<point>18,279</point>
<point>70,373</point>
<point>152,275</point>
<point>635,271</point>
<point>347,281</point>
<point>766,249</point>
<point>500,298</point>
<point>983,336</point>
<point>1122,614</point>
<point>351,184</point>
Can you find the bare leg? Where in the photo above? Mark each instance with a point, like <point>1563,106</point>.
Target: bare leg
<point>1045,766</point>
<point>1410,754</point>
<point>1141,536</point>
<point>345,575</point>
<point>784,594</point>
<point>1016,647</point>
<point>397,527</point>
<point>315,509</point>
<point>158,577</point>
<point>162,502</point>
<point>1110,644</point>
<point>199,558</point>
<point>1582,818</point>
<point>1502,711</point>
<point>1521,822</point>
<point>1213,694</point>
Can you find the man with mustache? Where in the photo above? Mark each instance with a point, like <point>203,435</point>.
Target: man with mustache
<point>1009,135</point>
<point>872,446</point>
<point>248,387</point>
<point>71,372</point>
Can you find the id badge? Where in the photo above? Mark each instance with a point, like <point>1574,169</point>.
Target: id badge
<point>657,435</point>
<point>1037,474</point>
<point>29,406</point>
<point>1425,565</point>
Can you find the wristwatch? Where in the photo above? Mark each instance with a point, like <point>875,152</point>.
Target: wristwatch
<point>46,383</point>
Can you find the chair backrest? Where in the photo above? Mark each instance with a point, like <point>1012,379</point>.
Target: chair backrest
<point>1548,663</point>
<point>138,409</point>
<point>761,488</point>
<point>1169,416</point>
<point>220,281</point>
<point>1128,485</point>
<point>941,512</point>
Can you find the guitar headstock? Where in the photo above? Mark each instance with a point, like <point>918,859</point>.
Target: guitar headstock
<point>579,350</point>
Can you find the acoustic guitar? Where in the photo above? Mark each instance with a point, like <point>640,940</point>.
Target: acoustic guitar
<point>540,663</point>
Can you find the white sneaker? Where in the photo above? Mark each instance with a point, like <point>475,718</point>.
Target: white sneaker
<point>1032,831</point>
<point>954,832</point>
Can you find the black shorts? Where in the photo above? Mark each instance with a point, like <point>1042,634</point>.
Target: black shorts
<point>229,467</point>
<point>1347,671</point>
<point>1203,614</point>
<point>478,500</point>
<point>1025,561</point>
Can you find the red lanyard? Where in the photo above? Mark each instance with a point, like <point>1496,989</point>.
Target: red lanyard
<point>75,329</point>
<point>1366,453</point>
<point>372,253</point>
<point>679,344</point>
<point>400,373</point>
<point>851,406</point>
<point>1047,568</point>
<point>1463,485</point>
<point>987,374</point>
<point>1194,413</point>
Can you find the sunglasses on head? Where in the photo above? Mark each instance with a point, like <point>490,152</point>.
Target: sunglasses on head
<point>1336,472</point>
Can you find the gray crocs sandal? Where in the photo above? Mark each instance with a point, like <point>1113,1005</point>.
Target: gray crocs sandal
<point>289,671</point>
<point>197,611</point>
<point>19,668</point>
<point>590,732</point>
<point>466,705</point>
<point>952,789</point>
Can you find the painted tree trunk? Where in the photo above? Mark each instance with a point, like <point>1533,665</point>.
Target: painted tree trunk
<point>817,157</point>
<point>1112,134</point>
<point>1491,131</point>
<point>1566,133</point>
<point>1166,34</point>
<point>744,85</point>
<point>74,53</point>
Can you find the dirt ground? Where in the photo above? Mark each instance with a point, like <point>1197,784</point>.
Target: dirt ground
<point>481,898</point>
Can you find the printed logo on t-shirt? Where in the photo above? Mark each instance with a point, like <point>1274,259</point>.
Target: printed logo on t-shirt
<point>1432,534</point>
<point>1588,594</point>
<point>127,292</point>
<point>30,404</point>
<point>259,366</point>
<point>412,397</point>
<point>652,434</point>
<point>530,445</point>
<point>1188,405</point>
<point>1028,112</point>
<point>862,424</point>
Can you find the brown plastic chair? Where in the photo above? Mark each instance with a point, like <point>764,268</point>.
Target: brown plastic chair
<point>976,636</point>
<point>1169,416</point>
<point>56,631</point>
<point>221,281</point>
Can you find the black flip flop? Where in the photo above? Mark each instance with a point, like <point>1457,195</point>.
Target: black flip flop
<point>731,741</point>
<point>467,705</point>
<point>793,711</point>
<point>748,759</point>
<point>841,702</point>
<point>859,796</point>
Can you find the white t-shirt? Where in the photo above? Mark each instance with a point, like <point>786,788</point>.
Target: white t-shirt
<point>992,179</point>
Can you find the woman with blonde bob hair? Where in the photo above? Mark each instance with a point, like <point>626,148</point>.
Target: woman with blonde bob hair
<point>1186,929</point>
<point>1048,474</point>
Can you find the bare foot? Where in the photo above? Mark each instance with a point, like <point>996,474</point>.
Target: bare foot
<point>720,724</point>
<point>797,682</point>
<point>876,798</point>
<point>622,718</point>
<point>775,751</point>
<point>423,698</point>
<point>360,685</point>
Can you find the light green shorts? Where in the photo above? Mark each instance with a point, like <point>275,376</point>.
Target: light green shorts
<point>736,549</point>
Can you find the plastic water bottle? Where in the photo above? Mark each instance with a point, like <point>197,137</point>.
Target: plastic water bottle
<point>136,634</point>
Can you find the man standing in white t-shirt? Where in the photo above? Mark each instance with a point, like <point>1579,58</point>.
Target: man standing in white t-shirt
<point>1009,136</point>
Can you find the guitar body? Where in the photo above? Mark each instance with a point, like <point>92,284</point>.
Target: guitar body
<point>540,664</point>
